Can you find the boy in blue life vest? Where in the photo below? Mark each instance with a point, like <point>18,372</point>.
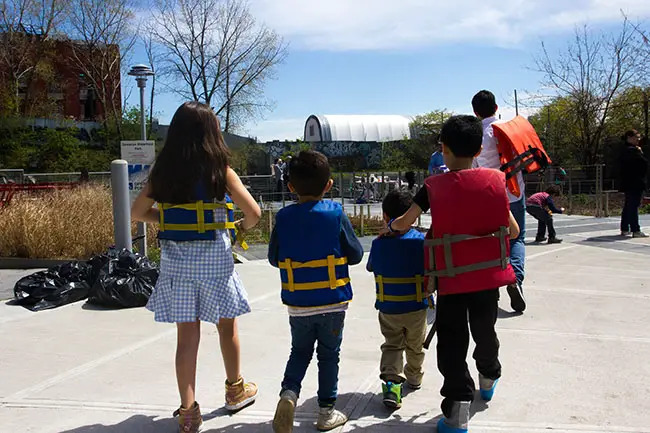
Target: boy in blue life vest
<point>466,260</point>
<point>313,243</point>
<point>398,264</point>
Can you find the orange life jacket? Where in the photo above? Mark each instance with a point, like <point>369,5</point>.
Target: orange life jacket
<point>520,149</point>
<point>467,248</point>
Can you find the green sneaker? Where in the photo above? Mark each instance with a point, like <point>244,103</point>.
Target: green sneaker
<point>392,395</point>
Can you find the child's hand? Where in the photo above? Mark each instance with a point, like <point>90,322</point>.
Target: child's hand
<point>562,209</point>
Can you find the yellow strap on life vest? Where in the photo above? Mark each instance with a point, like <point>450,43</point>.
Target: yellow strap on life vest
<point>200,216</point>
<point>195,227</point>
<point>193,206</point>
<point>201,226</point>
<point>330,263</point>
<point>417,280</point>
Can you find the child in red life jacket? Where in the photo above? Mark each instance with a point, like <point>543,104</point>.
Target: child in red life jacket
<point>541,207</point>
<point>398,264</point>
<point>466,261</point>
<point>312,244</point>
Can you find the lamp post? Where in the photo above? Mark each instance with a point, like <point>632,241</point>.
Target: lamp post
<point>141,72</point>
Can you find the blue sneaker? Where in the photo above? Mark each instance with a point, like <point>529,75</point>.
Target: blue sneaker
<point>458,419</point>
<point>487,387</point>
<point>444,428</point>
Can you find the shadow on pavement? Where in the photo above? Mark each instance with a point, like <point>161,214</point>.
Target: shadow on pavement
<point>503,314</point>
<point>609,238</point>
<point>373,410</point>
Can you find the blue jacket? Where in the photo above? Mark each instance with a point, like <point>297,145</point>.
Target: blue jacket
<point>398,264</point>
<point>313,243</point>
<point>437,164</point>
<point>194,221</point>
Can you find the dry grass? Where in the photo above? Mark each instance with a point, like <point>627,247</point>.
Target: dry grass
<point>69,224</point>
<point>59,224</point>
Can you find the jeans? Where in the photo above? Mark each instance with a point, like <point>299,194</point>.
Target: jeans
<point>452,317</point>
<point>517,246</point>
<point>327,330</point>
<point>544,219</point>
<point>630,216</point>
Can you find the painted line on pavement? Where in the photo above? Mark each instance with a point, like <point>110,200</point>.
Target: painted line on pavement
<point>91,365</point>
<point>556,250</point>
<point>249,414</point>
<point>603,337</point>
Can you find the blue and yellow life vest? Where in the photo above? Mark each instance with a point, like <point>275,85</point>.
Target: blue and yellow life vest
<point>398,264</point>
<point>198,220</point>
<point>313,267</point>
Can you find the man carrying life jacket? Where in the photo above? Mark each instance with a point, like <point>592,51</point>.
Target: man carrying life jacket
<point>485,108</point>
<point>466,260</point>
<point>398,264</point>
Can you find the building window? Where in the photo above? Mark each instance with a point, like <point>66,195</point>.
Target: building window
<point>311,130</point>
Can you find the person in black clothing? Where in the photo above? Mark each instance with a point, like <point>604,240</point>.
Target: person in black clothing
<point>633,171</point>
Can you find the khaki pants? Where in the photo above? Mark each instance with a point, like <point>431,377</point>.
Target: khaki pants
<point>403,333</point>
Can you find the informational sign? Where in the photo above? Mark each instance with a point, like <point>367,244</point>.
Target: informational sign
<point>140,155</point>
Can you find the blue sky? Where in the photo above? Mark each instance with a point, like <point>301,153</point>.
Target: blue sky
<point>408,57</point>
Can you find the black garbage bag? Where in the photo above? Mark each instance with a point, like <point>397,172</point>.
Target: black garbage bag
<point>122,279</point>
<point>59,285</point>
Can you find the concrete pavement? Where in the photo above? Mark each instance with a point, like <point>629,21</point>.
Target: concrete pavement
<point>576,361</point>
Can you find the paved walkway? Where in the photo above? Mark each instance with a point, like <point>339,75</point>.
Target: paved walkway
<point>576,361</point>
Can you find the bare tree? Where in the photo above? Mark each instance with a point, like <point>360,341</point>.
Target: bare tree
<point>590,73</point>
<point>26,27</point>
<point>102,33</point>
<point>216,53</point>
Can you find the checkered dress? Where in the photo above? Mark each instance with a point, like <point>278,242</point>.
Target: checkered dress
<point>198,281</point>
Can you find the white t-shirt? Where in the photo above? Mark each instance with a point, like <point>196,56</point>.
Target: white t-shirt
<point>489,157</point>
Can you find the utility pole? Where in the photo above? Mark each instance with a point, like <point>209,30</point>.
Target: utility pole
<point>516,104</point>
<point>645,116</point>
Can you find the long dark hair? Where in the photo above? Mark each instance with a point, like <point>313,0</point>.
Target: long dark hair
<point>194,154</point>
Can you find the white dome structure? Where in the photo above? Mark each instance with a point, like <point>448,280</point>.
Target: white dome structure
<point>361,128</point>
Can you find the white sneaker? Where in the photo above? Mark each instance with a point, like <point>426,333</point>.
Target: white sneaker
<point>284,412</point>
<point>639,235</point>
<point>330,418</point>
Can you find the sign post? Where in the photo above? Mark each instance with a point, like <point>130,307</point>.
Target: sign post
<point>140,155</point>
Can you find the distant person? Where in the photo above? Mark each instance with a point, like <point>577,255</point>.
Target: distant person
<point>402,304</point>
<point>285,173</point>
<point>541,207</point>
<point>410,186</point>
<point>485,108</point>
<point>312,244</point>
<point>470,223</point>
<point>276,172</point>
<point>437,164</point>
<point>198,281</point>
<point>633,172</point>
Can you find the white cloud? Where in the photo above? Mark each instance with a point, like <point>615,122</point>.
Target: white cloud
<point>388,24</point>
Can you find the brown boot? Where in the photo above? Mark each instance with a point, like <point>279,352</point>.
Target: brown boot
<point>240,394</point>
<point>189,420</point>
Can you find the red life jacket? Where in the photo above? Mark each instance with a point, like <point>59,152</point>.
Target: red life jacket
<point>467,248</point>
<point>520,149</point>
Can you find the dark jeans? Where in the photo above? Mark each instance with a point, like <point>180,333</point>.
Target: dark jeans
<point>517,245</point>
<point>453,341</point>
<point>327,330</point>
<point>544,219</point>
<point>630,216</point>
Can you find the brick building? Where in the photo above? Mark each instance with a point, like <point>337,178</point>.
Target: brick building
<point>60,88</point>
